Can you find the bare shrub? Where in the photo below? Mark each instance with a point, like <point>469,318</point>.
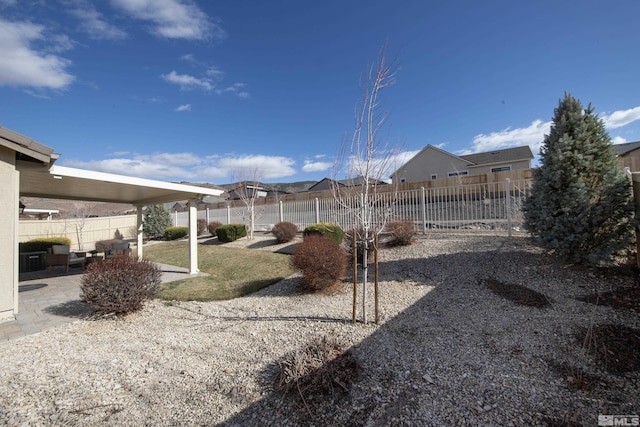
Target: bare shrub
<point>213,226</point>
<point>120,284</point>
<point>320,369</point>
<point>284,231</point>
<point>401,232</point>
<point>202,226</point>
<point>323,263</point>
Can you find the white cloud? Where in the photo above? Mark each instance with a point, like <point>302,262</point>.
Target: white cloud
<point>619,140</point>
<point>270,166</point>
<point>532,135</point>
<point>316,166</point>
<point>236,89</point>
<point>188,166</point>
<point>187,82</point>
<point>185,107</point>
<point>173,19</point>
<point>23,65</point>
<point>621,118</point>
<point>94,24</point>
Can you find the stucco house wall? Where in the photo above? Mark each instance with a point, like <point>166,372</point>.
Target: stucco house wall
<point>434,163</point>
<point>523,164</point>
<point>9,200</point>
<point>430,161</point>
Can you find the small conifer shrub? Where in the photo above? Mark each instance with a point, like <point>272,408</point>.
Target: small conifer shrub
<point>284,231</point>
<point>120,284</point>
<point>323,263</point>
<point>580,206</point>
<point>213,226</point>
<point>156,220</point>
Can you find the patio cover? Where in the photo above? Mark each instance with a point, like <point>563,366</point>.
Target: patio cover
<point>40,177</point>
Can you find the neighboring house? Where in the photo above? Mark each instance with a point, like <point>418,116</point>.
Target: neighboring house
<point>629,155</point>
<point>328,183</point>
<point>434,163</point>
<point>246,189</point>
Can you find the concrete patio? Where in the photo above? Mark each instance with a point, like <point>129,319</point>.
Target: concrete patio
<point>51,298</point>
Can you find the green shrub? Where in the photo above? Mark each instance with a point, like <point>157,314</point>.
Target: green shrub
<point>202,226</point>
<point>401,232</point>
<point>325,229</point>
<point>43,243</point>
<point>284,231</point>
<point>230,232</point>
<point>323,262</point>
<point>213,226</point>
<point>173,233</point>
<point>120,284</point>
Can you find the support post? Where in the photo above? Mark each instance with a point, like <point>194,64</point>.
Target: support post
<point>423,209</point>
<point>280,211</point>
<point>507,189</point>
<point>140,232</point>
<point>354,243</point>
<point>317,210</point>
<point>193,237</point>
<point>375,277</point>
<point>228,214</point>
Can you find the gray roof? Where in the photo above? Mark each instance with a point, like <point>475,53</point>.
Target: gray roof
<point>622,149</point>
<point>499,156</point>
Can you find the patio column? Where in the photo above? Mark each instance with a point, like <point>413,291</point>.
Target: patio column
<point>139,233</point>
<point>193,237</point>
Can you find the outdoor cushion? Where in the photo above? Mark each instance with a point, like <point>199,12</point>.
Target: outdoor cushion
<point>119,247</point>
<point>60,249</point>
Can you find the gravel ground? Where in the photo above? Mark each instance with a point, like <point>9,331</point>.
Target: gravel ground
<point>447,351</point>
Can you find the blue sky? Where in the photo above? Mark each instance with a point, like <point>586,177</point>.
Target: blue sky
<point>180,90</point>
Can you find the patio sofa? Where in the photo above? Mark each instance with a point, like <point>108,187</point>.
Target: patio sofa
<point>121,248</point>
<point>61,255</point>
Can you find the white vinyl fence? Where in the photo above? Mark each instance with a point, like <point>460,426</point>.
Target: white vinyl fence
<point>493,207</point>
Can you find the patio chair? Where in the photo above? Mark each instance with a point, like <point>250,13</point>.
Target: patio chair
<point>61,255</point>
<point>121,248</point>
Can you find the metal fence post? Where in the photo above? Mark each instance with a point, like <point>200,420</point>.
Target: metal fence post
<point>508,205</point>
<point>281,211</point>
<point>206,215</point>
<point>423,209</point>
<point>317,210</point>
<point>228,214</point>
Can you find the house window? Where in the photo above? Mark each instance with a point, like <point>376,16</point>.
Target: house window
<point>461,173</point>
<point>403,180</point>
<point>501,169</point>
<point>434,176</point>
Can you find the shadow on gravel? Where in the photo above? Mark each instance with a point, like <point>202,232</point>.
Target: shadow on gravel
<point>460,355</point>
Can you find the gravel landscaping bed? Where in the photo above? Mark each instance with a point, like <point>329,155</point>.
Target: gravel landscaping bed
<point>456,345</point>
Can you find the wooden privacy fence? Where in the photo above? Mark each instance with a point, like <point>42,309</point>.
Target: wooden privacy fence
<point>83,232</point>
<point>495,207</point>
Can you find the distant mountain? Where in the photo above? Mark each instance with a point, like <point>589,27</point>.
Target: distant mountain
<point>284,187</point>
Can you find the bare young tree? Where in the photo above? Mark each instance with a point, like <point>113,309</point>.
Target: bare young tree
<point>77,218</point>
<point>248,191</point>
<point>367,159</point>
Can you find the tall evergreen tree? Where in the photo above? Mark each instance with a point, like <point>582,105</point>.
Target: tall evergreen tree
<point>156,221</point>
<point>580,204</point>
